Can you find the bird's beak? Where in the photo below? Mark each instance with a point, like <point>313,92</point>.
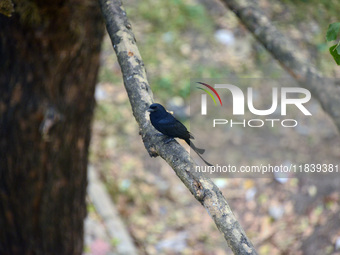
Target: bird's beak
<point>150,110</point>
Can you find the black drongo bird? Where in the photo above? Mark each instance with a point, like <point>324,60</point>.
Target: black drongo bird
<point>168,125</point>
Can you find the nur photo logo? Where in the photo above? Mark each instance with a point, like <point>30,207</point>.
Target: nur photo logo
<point>281,99</point>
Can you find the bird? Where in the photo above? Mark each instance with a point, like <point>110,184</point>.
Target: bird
<point>168,125</point>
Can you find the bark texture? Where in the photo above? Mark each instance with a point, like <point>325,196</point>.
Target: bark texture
<point>48,66</point>
<point>140,96</point>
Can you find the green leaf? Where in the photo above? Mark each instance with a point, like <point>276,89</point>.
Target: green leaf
<point>338,48</point>
<point>335,54</point>
<point>332,32</point>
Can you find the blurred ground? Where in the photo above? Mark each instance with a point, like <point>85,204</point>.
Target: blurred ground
<point>180,40</point>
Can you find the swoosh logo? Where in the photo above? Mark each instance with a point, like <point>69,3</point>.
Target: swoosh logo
<point>209,93</point>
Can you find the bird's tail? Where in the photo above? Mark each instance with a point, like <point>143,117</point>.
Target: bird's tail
<point>198,151</point>
<point>208,164</point>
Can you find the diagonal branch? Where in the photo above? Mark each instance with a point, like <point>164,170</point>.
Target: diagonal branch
<point>140,96</point>
<point>283,50</point>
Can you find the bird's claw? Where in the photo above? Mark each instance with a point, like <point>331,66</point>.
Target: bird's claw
<point>168,139</point>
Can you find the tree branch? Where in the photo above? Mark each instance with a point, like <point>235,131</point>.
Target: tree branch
<point>140,96</point>
<point>283,50</point>
<point>109,214</point>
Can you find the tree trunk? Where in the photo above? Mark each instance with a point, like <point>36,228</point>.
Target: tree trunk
<point>49,58</point>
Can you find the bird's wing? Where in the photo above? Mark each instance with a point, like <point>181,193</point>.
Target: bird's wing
<point>172,127</point>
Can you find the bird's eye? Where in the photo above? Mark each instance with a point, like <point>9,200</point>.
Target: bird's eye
<point>153,106</point>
